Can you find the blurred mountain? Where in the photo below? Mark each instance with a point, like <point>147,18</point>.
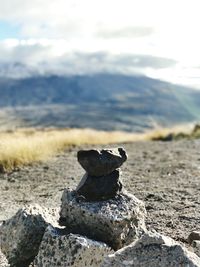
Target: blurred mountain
<point>102,101</point>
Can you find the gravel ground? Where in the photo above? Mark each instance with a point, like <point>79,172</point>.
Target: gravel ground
<point>165,175</point>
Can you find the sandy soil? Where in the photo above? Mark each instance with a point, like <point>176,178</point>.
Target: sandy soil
<point>164,175</point>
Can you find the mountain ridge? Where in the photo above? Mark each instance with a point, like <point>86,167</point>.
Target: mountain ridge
<point>91,99</point>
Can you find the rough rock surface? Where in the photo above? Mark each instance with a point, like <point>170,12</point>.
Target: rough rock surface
<point>152,250</point>
<point>72,250</point>
<point>196,247</point>
<point>3,260</point>
<point>101,162</point>
<point>100,188</point>
<point>20,236</point>
<point>116,221</point>
<point>194,235</point>
<point>165,175</point>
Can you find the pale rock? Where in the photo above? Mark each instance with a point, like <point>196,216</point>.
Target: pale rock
<point>116,221</point>
<point>20,236</point>
<point>59,249</point>
<point>3,260</point>
<point>152,250</point>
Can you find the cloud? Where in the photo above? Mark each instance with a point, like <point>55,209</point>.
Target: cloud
<point>62,36</point>
<point>144,61</point>
<point>26,52</point>
<point>30,57</point>
<point>77,18</point>
<point>128,32</point>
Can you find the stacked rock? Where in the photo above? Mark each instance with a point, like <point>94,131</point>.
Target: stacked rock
<point>102,178</point>
<point>99,219</point>
<point>98,208</point>
<point>96,219</point>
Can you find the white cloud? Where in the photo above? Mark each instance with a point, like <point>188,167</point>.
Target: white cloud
<point>50,30</point>
<point>25,57</point>
<point>78,18</point>
<point>128,32</point>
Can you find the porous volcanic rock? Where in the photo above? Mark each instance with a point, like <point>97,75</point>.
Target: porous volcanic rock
<point>95,188</point>
<point>116,221</point>
<point>58,249</point>
<point>3,260</point>
<point>152,250</point>
<point>101,162</point>
<point>20,236</point>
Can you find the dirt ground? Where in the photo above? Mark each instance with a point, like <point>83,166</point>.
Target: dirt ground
<point>165,175</point>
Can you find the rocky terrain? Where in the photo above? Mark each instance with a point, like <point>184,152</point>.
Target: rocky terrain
<point>165,175</point>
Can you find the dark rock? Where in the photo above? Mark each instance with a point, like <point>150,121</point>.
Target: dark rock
<point>196,246</point>
<point>2,170</point>
<point>103,162</point>
<point>94,188</point>
<point>194,235</point>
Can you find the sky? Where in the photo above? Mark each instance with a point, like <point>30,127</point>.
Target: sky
<point>157,38</point>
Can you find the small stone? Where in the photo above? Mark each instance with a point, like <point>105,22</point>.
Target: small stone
<point>116,221</point>
<point>100,188</point>
<point>196,247</point>
<point>103,162</point>
<point>20,236</point>
<point>11,180</point>
<point>152,250</point>
<point>2,169</point>
<point>59,249</point>
<point>195,235</point>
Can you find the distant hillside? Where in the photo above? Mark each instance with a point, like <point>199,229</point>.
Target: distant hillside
<point>101,101</point>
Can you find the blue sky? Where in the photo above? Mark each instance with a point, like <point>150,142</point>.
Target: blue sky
<point>8,30</point>
<point>156,38</point>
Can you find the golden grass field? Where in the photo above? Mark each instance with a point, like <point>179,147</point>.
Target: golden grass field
<point>25,146</point>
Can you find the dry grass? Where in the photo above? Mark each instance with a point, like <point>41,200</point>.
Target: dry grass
<point>25,146</point>
<point>164,134</point>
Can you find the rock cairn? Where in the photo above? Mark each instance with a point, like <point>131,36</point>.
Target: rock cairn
<point>100,224</point>
<point>99,208</point>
